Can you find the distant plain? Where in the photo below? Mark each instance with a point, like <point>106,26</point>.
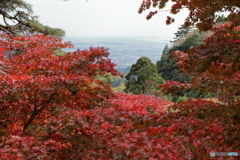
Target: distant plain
<point>124,51</point>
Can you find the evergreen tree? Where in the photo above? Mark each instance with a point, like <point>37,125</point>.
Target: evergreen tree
<point>165,50</point>
<point>167,67</point>
<point>182,31</point>
<point>18,19</point>
<point>143,77</point>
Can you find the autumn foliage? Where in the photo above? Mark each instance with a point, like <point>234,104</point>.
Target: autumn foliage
<point>36,84</point>
<point>218,68</point>
<point>202,13</point>
<point>55,107</point>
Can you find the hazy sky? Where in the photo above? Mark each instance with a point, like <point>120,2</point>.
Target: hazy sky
<point>103,18</point>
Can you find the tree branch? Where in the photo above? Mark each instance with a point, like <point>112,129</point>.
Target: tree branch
<point>37,111</point>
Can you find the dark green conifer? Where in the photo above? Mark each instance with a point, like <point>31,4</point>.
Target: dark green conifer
<point>165,50</point>
<point>182,31</point>
<point>18,19</point>
<point>143,77</point>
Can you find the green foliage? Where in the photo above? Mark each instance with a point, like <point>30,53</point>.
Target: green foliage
<point>53,107</point>
<point>18,19</point>
<point>143,77</point>
<point>118,81</point>
<point>182,99</point>
<point>194,39</point>
<point>182,31</point>
<point>115,81</point>
<point>109,78</point>
<point>119,88</point>
<point>167,66</point>
<point>215,64</point>
<point>198,94</point>
<point>168,97</point>
<point>60,52</point>
<point>165,50</point>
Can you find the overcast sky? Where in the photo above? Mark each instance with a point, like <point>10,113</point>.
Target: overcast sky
<point>103,18</point>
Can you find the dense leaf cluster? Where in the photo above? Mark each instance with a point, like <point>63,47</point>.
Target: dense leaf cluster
<point>167,65</point>
<point>218,70</point>
<point>55,107</point>
<point>143,77</point>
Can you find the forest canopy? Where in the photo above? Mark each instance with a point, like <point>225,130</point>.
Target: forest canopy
<point>55,106</point>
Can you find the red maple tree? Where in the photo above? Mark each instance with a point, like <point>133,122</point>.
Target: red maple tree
<point>36,85</point>
<point>202,13</point>
<point>215,67</point>
<point>54,107</point>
